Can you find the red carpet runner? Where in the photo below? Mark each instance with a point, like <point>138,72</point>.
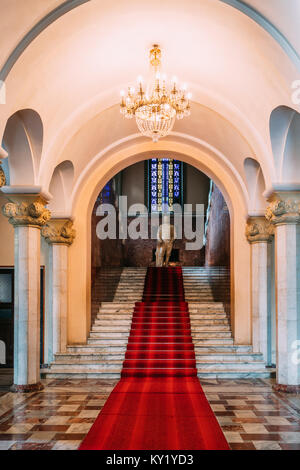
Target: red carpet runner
<point>159,403</point>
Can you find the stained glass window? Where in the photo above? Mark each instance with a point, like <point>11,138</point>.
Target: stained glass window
<point>165,181</point>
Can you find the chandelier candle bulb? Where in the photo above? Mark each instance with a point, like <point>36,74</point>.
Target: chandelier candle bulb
<point>155,111</point>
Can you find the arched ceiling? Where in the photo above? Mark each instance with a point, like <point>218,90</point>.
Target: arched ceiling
<point>73,70</point>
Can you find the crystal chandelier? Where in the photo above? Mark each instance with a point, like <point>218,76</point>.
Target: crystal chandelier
<point>156,106</point>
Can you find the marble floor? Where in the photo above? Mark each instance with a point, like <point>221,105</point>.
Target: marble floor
<point>251,415</point>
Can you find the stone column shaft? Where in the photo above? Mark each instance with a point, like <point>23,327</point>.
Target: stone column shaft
<point>27,307</point>
<point>59,295</point>
<point>27,214</point>
<point>284,213</point>
<point>259,279</point>
<point>259,234</point>
<point>59,234</point>
<point>288,290</point>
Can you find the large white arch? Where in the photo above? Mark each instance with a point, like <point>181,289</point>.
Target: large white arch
<point>79,317</point>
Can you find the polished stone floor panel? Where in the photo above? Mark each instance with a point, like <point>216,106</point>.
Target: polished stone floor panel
<point>251,415</point>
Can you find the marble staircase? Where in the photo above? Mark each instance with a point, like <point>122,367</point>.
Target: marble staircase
<point>207,292</point>
<point>103,355</point>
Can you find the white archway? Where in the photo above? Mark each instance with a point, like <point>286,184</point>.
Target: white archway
<point>106,168</point>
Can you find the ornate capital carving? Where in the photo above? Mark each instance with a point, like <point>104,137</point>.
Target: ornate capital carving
<point>284,209</point>
<point>30,211</point>
<point>59,231</point>
<point>2,176</point>
<point>259,230</point>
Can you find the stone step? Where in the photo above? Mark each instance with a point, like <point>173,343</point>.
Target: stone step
<point>79,374</point>
<point>212,341</point>
<point>228,356</point>
<point>110,329</point>
<point>112,334</point>
<point>130,285</point>
<point>126,317</point>
<point>230,365</point>
<point>133,286</point>
<point>202,297</point>
<point>209,319</point>
<point>114,305</point>
<point>88,365</point>
<point>217,305</point>
<point>234,374</point>
<point>97,349</point>
<point>211,280</point>
<point>196,286</point>
<point>112,322</point>
<point>135,298</point>
<point>208,327</point>
<point>210,334</point>
<point>214,348</point>
<point>115,310</point>
<point>210,314</point>
<point>89,356</point>
<point>108,341</point>
<point>202,277</point>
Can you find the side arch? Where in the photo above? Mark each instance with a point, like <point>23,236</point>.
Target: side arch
<point>256,186</point>
<point>285,139</point>
<point>23,141</point>
<point>60,188</point>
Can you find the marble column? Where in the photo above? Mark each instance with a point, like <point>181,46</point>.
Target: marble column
<point>259,233</point>
<point>59,234</point>
<point>284,213</point>
<point>27,213</point>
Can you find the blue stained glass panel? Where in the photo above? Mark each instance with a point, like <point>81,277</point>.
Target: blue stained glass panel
<point>165,177</point>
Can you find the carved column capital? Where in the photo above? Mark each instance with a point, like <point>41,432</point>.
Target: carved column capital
<point>59,231</point>
<point>284,208</point>
<point>259,230</point>
<point>2,176</point>
<point>26,210</point>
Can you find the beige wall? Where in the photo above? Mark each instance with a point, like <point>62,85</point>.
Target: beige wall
<point>133,184</point>
<point>197,187</point>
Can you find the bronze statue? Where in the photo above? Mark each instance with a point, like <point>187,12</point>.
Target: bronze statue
<point>165,239</point>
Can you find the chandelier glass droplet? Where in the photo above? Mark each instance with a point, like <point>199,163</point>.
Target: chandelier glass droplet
<point>156,107</point>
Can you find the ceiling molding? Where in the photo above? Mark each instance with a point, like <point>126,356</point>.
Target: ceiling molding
<point>72,4</point>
